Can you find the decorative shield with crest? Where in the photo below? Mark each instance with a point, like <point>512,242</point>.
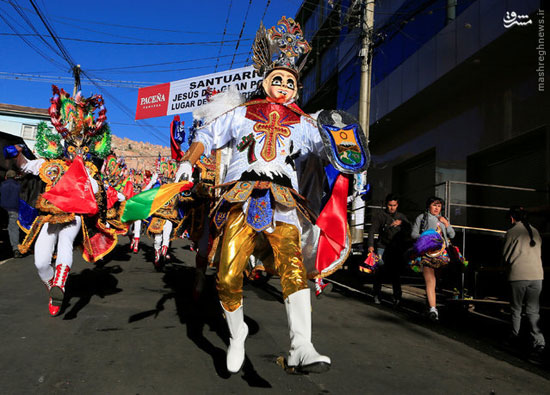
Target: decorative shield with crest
<point>345,143</point>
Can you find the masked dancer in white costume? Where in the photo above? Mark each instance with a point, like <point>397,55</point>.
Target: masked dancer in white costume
<point>259,204</point>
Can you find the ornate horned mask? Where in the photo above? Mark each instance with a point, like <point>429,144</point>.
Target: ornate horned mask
<point>74,120</point>
<point>280,47</point>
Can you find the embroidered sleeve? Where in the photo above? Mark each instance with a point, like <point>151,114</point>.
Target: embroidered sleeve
<point>33,166</point>
<point>220,131</point>
<point>312,142</point>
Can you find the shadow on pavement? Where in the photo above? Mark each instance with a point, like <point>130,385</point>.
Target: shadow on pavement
<point>264,290</point>
<point>98,281</point>
<point>479,332</point>
<point>121,253</point>
<point>149,256</point>
<point>201,313</point>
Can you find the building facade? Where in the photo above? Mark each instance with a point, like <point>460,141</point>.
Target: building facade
<point>455,96</point>
<point>22,121</point>
<point>457,100</point>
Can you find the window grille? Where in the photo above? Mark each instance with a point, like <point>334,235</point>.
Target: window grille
<point>28,132</point>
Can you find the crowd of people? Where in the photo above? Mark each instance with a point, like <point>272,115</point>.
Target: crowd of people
<point>255,213</point>
<point>400,244</point>
<point>395,246</point>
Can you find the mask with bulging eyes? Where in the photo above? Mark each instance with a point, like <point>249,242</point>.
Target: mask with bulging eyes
<point>74,150</point>
<point>280,85</point>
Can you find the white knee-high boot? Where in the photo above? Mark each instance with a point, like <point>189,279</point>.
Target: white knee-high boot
<point>238,330</point>
<point>302,354</point>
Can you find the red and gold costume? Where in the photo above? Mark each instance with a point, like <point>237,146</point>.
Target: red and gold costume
<point>165,222</point>
<point>72,195</point>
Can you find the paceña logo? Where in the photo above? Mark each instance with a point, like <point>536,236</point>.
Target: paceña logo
<point>511,19</point>
<point>158,98</point>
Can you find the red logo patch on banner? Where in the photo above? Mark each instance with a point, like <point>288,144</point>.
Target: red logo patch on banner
<point>153,101</point>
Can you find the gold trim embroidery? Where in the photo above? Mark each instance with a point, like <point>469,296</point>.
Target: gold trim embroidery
<point>240,192</point>
<point>33,233</point>
<point>156,225</point>
<point>46,171</point>
<point>282,195</point>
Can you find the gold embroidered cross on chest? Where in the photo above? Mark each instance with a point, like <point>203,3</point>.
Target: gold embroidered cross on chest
<point>271,132</point>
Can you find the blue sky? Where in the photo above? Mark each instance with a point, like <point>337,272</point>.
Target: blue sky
<point>163,30</point>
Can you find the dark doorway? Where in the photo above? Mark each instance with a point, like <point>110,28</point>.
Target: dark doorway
<point>518,162</point>
<point>414,181</point>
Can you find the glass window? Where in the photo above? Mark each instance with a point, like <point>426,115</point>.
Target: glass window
<point>328,6</point>
<point>308,85</point>
<point>329,62</point>
<point>28,132</point>
<point>312,23</point>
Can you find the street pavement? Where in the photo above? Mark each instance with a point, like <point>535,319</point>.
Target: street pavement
<point>126,329</point>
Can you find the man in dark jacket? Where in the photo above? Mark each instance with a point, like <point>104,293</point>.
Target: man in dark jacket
<point>393,229</point>
<point>9,201</point>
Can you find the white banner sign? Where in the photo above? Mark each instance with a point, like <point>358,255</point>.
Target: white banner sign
<point>183,96</point>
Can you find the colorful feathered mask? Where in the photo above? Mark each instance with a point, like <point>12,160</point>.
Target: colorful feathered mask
<point>73,118</point>
<point>166,169</point>
<point>114,171</point>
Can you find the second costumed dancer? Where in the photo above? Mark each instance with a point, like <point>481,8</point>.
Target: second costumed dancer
<point>69,203</point>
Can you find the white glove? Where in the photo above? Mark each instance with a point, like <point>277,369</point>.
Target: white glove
<point>315,115</point>
<point>152,181</point>
<point>185,171</point>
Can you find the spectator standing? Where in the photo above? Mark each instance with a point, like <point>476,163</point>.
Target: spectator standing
<point>9,201</point>
<point>522,254</point>
<point>393,230</point>
<point>432,219</point>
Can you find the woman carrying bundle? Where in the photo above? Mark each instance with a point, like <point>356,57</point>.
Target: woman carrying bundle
<point>432,219</point>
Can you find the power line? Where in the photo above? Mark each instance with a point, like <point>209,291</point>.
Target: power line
<point>171,70</point>
<point>91,78</point>
<point>241,33</point>
<point>224,33</point>
<point>122,68</point>
<point>162,43</point>
<point>163,63</point>
<point>262,19</point>
<point>31,45</point>
<point>111,97</point>
<point>52,78</point>
<point>53,35</point>
<point>105,33</point>
<point>24,17</point>
<point>110,24</point>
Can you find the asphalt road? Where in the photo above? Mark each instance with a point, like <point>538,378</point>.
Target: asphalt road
<point>127,329</point>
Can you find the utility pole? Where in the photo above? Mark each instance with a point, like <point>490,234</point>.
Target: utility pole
<point>367,28</point>
<point>76,75</point>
